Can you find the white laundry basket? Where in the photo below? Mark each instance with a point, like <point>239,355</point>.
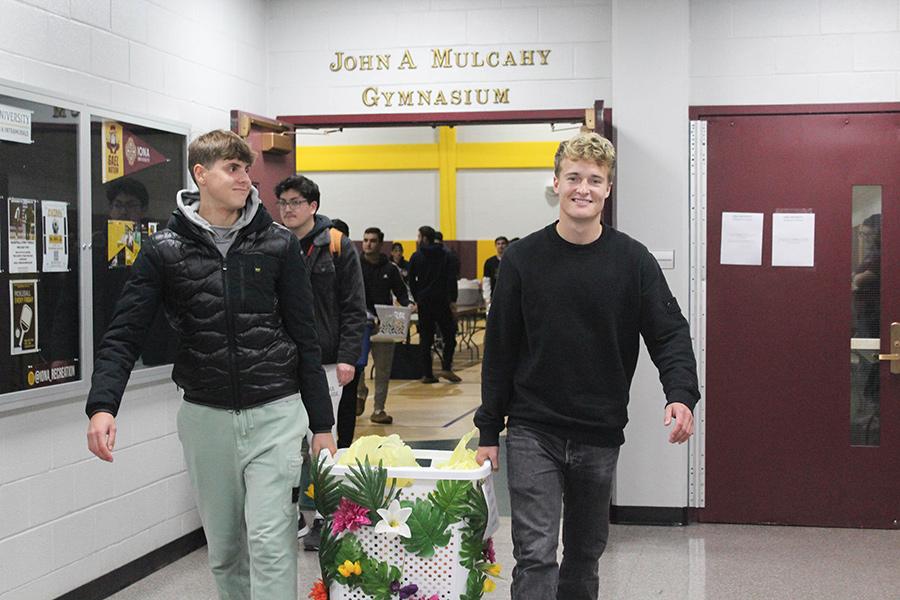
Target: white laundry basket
<point>441,574</point>
<point>393,323</point>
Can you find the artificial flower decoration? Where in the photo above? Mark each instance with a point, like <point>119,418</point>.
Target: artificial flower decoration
<point>489,585</point>
<point>393,520</point>
<point>406,592</point>
<point>319,591</point>
<point>348,569</point>
<point>488,551</point>
<point>311,491</point>
<point>493,570</point>
<point>350,516</point>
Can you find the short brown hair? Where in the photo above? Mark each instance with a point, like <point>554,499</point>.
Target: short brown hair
<point>587,146</point>
<point>215,145</point>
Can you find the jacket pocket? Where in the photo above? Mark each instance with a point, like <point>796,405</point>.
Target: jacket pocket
<point>256,280</point>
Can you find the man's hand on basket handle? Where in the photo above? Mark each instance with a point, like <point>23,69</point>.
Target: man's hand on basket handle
<point>491,453</point>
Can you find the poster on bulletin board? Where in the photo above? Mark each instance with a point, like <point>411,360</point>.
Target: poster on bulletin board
<point>56,237</point>
<point>22,235</point>
<point>23,315</point>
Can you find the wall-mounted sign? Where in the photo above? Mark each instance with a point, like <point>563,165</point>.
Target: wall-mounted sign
<point>432,60</point>
<point>125,153</point>
<point>15,124</point>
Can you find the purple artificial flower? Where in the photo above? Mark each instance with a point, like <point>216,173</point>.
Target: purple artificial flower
<point>408,591</point>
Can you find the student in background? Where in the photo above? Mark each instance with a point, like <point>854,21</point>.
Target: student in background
<point>382,278</point>
<point>338,296</point>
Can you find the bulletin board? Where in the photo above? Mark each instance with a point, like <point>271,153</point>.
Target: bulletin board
<point>40,320</point>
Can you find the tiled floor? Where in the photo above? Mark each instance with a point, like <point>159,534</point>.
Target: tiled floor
<point>700,561</point>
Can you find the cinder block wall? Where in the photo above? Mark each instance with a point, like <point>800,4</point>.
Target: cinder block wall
<point>65,517</point>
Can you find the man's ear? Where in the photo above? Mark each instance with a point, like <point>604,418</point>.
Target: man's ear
<point>199,172</point>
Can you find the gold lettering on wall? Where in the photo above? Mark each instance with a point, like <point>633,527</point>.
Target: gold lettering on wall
<point>375,97</point>
<point>441,58</point>
<point>407,61</point>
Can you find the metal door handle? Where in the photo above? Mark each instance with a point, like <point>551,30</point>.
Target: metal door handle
<point>894,356</point>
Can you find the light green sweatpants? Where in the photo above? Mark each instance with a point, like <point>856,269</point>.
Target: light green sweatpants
<point>244,466</point>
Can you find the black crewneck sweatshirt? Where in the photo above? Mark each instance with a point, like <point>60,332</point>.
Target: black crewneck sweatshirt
<point>563,335</point>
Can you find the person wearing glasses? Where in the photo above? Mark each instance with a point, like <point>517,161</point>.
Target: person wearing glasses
<point>338,296</point>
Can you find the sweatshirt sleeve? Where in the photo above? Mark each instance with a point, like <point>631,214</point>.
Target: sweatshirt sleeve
<point>351,303</point>
<point>667,335</point>
<point>398,286</point>
<point>122,343</point>
<point>503,338</point>
<point>296,299</point>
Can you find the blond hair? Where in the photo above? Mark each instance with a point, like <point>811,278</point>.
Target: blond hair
<point>215,145</point>
<point>587,146</point>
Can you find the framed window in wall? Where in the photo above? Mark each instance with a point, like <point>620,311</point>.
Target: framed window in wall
<point>136,170</point>
<point>40,318</point>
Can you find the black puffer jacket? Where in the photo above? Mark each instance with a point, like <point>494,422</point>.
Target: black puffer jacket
<point>245,322</point>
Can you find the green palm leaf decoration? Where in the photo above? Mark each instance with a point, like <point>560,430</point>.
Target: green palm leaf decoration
<point>328,548</point>
<point>450,496</point>
<point>472,539</point>
<point>366,485</point>
<point>428,528</point>
<point>474,586</point>
<point>377,577</point>
<point>326,487</point>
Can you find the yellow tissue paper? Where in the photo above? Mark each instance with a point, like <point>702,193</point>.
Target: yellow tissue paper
<point>390,451</point>
<point>462,458</point>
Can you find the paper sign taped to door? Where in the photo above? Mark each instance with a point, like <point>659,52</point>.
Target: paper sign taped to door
<point>741,238</point>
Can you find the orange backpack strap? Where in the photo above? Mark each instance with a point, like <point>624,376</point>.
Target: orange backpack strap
<point>335,245</point>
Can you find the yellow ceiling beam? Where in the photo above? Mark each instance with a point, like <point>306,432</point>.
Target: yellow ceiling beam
<point>377,157</point>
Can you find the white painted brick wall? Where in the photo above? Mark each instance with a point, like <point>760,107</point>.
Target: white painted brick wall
<point>801,51</point>
<point>300,81</point>
<point>67,518</point>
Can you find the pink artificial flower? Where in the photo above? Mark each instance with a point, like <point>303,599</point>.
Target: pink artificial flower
<point>349,516</point>
<point>488,551</point>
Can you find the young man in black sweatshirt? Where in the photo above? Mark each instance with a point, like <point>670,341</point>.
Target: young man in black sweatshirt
<point>381,278</point>
<point>241,303</point>
<point>571,304</point>
<point>432,280</point>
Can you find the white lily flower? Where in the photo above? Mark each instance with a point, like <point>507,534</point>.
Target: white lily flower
<point>393,520</point>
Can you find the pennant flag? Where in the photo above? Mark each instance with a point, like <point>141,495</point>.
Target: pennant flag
<point>125,153</point>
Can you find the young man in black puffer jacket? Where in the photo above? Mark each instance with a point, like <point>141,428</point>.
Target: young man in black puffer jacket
<point>241,304</point>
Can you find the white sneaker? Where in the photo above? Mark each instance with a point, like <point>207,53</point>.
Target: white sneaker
<point>302,527</point>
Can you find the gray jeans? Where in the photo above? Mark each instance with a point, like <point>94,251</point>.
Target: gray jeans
<point>545,473</point>
<point>383,357</point>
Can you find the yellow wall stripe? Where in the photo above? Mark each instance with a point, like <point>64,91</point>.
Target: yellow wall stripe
<point>506,155</point>
<point>409,246</point>
<point>447,204</point>
<point>380,157</point>
<point>485,250</point>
